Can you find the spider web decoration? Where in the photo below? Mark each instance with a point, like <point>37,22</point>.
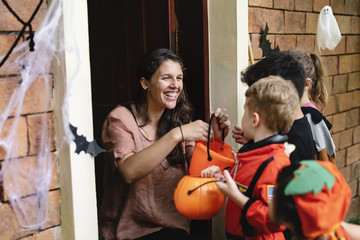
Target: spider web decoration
<point>265,44</point>
<point>25,25</point>
<point>27,185</point>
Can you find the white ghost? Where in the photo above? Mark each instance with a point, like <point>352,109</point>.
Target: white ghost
<point>328,32</point>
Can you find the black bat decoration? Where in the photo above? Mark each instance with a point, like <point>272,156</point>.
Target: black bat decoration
<point>265,44</point>
<point>83,145</point>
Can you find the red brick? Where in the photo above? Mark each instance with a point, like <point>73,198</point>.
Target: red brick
<point>331,106</point>
<point>305,43</point>
<point>255,42</point>
<point>259,17</point>
<point>340,158</point>
<point>285,42</point>
<point>36,123</point>
<point>329,85</point>
<point>354,209</point>
<point>354,81</point>
<point>353,44</point>
<point>20,140</point>
<point>340,83</point>
<point>10,67</point>
<point>8,223</point>
<point>53,210</point>
<point>355,62</point>
<point>345,101</point>
<point>338,6</point>
<point>24,9</point>
<point>352,154</point>
<point>352,7</point>
<point>311,22</point>
<point>338,123</point>
<point>7,87</point>
<point>336,139</point>
<point>6,42</point>
<point>37,98</point>
<point>356,98</point>
<point>331,64</point>
<point>344,23</point>
<point>346,138</point>
<point>319,4</point>
<point>346,171</point>
<point>295,22</point>
<point>355,22</point>
<point>352,118</point>
<point>356,137</point>
<point>284,4</point>
<point>303,5</point>
<point>353,187</point>
<point>355,171</point>
<point>345,64</point>
<point>26,171</point>
<point>52,233</point>
<point>261,3</point>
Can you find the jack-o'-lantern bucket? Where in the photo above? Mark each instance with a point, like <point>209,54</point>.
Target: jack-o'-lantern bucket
<point>198,198</point>
<point>209,153</point>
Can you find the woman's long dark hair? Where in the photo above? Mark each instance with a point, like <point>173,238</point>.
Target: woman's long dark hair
<point>171,118</point>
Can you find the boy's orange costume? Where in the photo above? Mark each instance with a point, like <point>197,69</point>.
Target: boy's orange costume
<point>253,221</point>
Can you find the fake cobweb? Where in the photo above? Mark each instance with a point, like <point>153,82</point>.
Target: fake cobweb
<point>26,176</point>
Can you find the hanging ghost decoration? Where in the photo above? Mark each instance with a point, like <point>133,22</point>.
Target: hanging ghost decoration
<point>328,32</point>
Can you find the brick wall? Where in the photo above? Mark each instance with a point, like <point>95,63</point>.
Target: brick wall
<point>292,25</point>
<point>29,127</point>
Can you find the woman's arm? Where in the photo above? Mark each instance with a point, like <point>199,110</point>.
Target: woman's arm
<point>135,166</point>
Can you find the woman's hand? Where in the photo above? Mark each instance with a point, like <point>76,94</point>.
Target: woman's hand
<point>195,131</point>
<point>239,136</point>
<point>222,123</point>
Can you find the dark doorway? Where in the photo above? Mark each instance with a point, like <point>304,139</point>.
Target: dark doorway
<point>120,32</point>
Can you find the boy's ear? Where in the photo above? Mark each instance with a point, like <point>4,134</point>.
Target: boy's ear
<point>256,119</point>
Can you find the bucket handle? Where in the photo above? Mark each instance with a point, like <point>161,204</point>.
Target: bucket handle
<point>211,181</point>
<point>208,142</point>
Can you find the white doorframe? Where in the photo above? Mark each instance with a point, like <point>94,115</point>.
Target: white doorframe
<point>228,56</point>
<point>77,171</point>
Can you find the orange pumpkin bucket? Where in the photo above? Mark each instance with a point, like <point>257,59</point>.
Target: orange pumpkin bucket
<point>217,153</point>
<point>198,198</point>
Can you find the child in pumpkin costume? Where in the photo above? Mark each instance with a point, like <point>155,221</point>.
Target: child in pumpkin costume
<point>268,116</point>
<point>312,199</point>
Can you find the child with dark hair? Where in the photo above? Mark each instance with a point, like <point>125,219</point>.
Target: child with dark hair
<point>268,116</point>
<point>284,65</point>
<point>311,199</point>
<point>313,103</point>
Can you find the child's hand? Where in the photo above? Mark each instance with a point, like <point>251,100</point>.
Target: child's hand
<point>238,135</point>
<point>227,187</point>
<point>212,171</point>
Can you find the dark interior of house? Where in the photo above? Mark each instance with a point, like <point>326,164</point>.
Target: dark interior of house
<point>120,32</point>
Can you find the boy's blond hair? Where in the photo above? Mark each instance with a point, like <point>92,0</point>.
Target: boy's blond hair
<point>275,100</point>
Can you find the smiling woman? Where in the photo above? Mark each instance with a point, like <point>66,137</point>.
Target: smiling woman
<point>149,143</point>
